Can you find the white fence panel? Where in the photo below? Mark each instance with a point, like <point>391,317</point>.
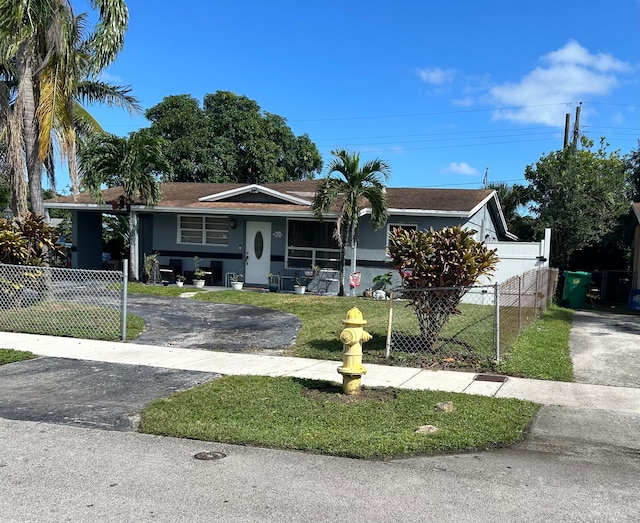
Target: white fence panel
<point>519,257</point>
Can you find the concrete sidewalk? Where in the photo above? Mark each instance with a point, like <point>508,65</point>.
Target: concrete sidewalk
<point>578,395</point>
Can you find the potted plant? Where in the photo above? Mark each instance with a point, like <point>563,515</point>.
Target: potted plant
<point>274,285</point>
<point>180,279</point>
<point>300,286</point>
<point>236,281</point>
<point>381,282</point>
<point>198,273</point>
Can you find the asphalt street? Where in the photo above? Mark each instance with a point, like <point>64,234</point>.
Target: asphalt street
<point>52,472</point>
<point>576,464</point>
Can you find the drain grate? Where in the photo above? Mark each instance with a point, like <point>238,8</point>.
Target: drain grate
<point>490,377</point>
<point>208,454</point>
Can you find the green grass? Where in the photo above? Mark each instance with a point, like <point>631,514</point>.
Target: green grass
<point>69,319</point>
<point>322,316</point>
<point>11,356</point>
<point>314,416</point>
<point>542,350</point>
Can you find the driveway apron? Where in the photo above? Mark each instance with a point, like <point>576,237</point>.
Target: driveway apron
<point>605,348</point>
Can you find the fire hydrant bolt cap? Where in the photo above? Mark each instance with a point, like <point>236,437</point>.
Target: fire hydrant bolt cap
<point>354,317</point>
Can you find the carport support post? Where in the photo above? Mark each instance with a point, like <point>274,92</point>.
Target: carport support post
<point>496,294</point>
<point>125,278</point>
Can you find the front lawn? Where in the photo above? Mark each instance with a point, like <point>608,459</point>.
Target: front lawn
<point>542,350</point>
<point>11,356</point>
<point>70,319</point>
<point>314,416</point>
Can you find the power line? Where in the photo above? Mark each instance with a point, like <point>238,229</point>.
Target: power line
<point>434,113</point>
<point>447,185</point>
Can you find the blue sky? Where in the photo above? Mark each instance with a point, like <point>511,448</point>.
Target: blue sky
<point>441,91</point>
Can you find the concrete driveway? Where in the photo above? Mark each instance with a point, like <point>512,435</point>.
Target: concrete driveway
<point>605,348</point>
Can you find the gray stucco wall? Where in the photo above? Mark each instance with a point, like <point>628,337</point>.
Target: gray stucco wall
<point>370,254</point>
<point>165,241</point>
<point>483,223</point>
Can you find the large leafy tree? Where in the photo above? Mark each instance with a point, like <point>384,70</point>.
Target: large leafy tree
<point>134,163</point>
<point>46,59</point>
<point>229,139</point>
<point>351,186</point>
<point>580,194</point>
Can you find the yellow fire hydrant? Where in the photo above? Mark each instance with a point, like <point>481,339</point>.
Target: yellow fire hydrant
<point>352,337</point>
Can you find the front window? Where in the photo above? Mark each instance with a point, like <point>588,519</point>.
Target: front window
<point>203,230</point>
<point>312,244</point>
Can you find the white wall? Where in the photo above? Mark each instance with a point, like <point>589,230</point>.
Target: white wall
<point>519,257</point>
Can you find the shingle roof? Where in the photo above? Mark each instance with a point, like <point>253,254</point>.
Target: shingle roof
<point>184,195</point>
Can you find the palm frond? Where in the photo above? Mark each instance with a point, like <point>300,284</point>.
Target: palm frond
<point>97,92</point>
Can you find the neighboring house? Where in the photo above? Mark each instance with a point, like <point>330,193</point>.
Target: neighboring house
<point>257,230</point>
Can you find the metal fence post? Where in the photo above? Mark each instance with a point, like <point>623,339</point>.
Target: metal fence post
<point>389,326</point>
<point>125,279</point>
<point>496,299</point>
<point>496,293</point>
<point>519,304</point>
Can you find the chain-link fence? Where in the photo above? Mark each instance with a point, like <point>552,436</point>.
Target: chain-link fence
<point>522,299</point>
<point>465,325</point>
<point>63,302</point>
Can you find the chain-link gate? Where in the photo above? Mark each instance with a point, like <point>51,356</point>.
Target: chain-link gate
<point>79,303</point>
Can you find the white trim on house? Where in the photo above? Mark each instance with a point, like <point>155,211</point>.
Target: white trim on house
<point>420,212</point>
<point>254,188</point>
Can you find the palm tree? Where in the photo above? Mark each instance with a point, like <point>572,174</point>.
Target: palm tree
<point>41,62</point>
<point>356,187</point>
<point>133,163</point>
<point>513,198</point>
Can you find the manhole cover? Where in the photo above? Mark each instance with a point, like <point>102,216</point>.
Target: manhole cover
<point>490,377</point>
<point>208,454</point>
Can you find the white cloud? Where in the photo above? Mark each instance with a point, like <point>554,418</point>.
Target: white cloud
<point>460,168</point>
<point>566,75</point>
<point>436,76</point>
<point>105,76</point>
<point>468,101</point>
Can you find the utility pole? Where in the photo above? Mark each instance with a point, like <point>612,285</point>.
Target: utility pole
<point>576,127</point>
<point>485,180</point>
<point>567,123</point>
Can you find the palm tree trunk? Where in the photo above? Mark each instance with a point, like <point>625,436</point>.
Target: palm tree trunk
<point>15,159</point>
<point>133,246</point>
<point>30,127</point>
<point>354,246</point>
<point>342,260</point>
<point>73,168</point>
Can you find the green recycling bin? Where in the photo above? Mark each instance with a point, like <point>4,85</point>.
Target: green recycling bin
<point>576,287</point>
